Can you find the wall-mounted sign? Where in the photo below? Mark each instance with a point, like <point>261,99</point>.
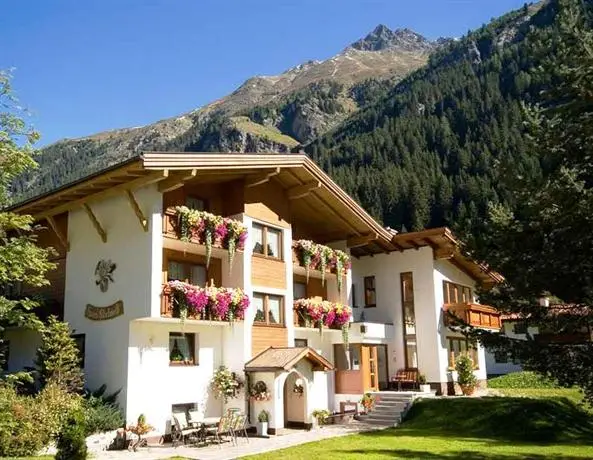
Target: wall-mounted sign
<point>103,313</point>
<point>104,274</point>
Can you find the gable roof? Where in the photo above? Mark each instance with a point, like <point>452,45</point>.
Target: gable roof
<point>285,358</point>
<point>313,195</point>
<point>311,191</point>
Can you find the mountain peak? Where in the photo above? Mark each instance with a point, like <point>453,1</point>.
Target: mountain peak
<point>382,37</point>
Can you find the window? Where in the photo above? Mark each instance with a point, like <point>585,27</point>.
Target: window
<point>195,203</point>
<point>301,343</point>
<point>182,349</point>
<point>353,296</point>
<point>370,296</point>
<point>456,293</point>
<point>267,241</point>
<point>457,346</point>
<point>4,354</point>
<point>520,327</point>
<point>80,344</point>
<point>299,290</point>
<point>190,273</point>
<point>268,309</point>
<point>409,315</point>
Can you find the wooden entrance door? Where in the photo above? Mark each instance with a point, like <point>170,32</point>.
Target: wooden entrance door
<point>369,367</point>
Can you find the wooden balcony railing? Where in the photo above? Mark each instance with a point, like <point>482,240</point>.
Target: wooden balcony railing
<point>474,314</point>
<point>170,308</point>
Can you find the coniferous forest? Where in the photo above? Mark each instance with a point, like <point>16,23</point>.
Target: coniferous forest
<point>440,146</point>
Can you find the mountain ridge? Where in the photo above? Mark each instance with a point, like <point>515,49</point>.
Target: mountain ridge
<point>306,100</point>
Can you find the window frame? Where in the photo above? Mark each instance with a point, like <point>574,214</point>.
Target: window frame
<point>193,349</point>
<point>469,347</point>
<point>367,289</point>
<point>302,340</point>
<point>265,303</point>
<point>189,197</point>
<point>264,229</point>
<point>187,269</point>
<point>460,291</point>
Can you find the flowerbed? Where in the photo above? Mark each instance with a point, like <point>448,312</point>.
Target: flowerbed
<point>211,230</point>
<point>315,256</point>
<point>208,303</point>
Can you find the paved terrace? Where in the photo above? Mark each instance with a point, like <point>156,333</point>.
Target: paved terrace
<point>228,451</point>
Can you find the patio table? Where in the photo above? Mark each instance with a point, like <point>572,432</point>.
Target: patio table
<point>210,421</point>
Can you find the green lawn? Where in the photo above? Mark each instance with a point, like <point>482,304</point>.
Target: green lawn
<point>505,428</point>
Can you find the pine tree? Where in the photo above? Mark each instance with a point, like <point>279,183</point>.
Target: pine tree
<point>544,244</point>
<point>58,357</point>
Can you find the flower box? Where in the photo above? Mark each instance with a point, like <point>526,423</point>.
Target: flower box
<point>211,303</point>
<point>313,256</point>
<point>211,230</point>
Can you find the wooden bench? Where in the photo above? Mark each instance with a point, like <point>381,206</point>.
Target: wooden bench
<point>405,376</point>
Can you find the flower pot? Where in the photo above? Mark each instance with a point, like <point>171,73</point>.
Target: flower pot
<point>425,388</point>
<point>467,390</point>
<point>262,428</point>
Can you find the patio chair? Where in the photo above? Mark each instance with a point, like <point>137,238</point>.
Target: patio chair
<point>224,428</point>
<point>180,429</point>
<point>239,426</point>
<point>195,418</point>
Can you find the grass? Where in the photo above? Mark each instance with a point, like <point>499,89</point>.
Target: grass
<point>505,428</point>
<point>268,132</point>
<point>524,379</point>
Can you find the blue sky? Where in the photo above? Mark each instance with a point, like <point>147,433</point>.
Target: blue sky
<point>84,66</point>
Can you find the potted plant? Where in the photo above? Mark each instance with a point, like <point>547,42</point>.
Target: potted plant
<point>262,423</point>
<point>424,388</point>
<point>465,374</point>
<point>320,416</point>
<point>368,402</point>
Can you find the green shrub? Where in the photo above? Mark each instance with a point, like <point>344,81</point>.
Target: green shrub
<point>71,443</point>
<point>519,380</point>
<point>465,373</point>
<point>101,416</point>
<point>53,406</point>
<point>101,411</point>
<point>22,431</point>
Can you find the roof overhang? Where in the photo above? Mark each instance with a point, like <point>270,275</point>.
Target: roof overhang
<point>285,358</point>
<point>311,191</point>
<point>446,246</point>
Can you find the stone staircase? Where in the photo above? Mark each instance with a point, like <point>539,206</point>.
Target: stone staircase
<point>389,409</point>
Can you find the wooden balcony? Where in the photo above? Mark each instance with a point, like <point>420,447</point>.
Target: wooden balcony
<point>476,315</point>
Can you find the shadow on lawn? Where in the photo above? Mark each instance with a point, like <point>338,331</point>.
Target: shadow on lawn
<point>513,419</point>
<point>523,420</point>
<point>457,455</point>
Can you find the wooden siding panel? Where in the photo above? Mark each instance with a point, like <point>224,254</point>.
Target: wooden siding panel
<point>268,203</point>
<point>268,273</point>
<point>349,382</point>
<point>263,337</point>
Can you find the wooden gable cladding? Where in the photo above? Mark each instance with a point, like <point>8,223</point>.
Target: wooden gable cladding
<point>263,337</point>
<point>225,198</point>
<point>214,271</point>
<point>268,203</point>
<point>268,272</point>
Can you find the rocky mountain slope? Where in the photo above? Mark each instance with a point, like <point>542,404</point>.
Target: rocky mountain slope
<point>266,113</point>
